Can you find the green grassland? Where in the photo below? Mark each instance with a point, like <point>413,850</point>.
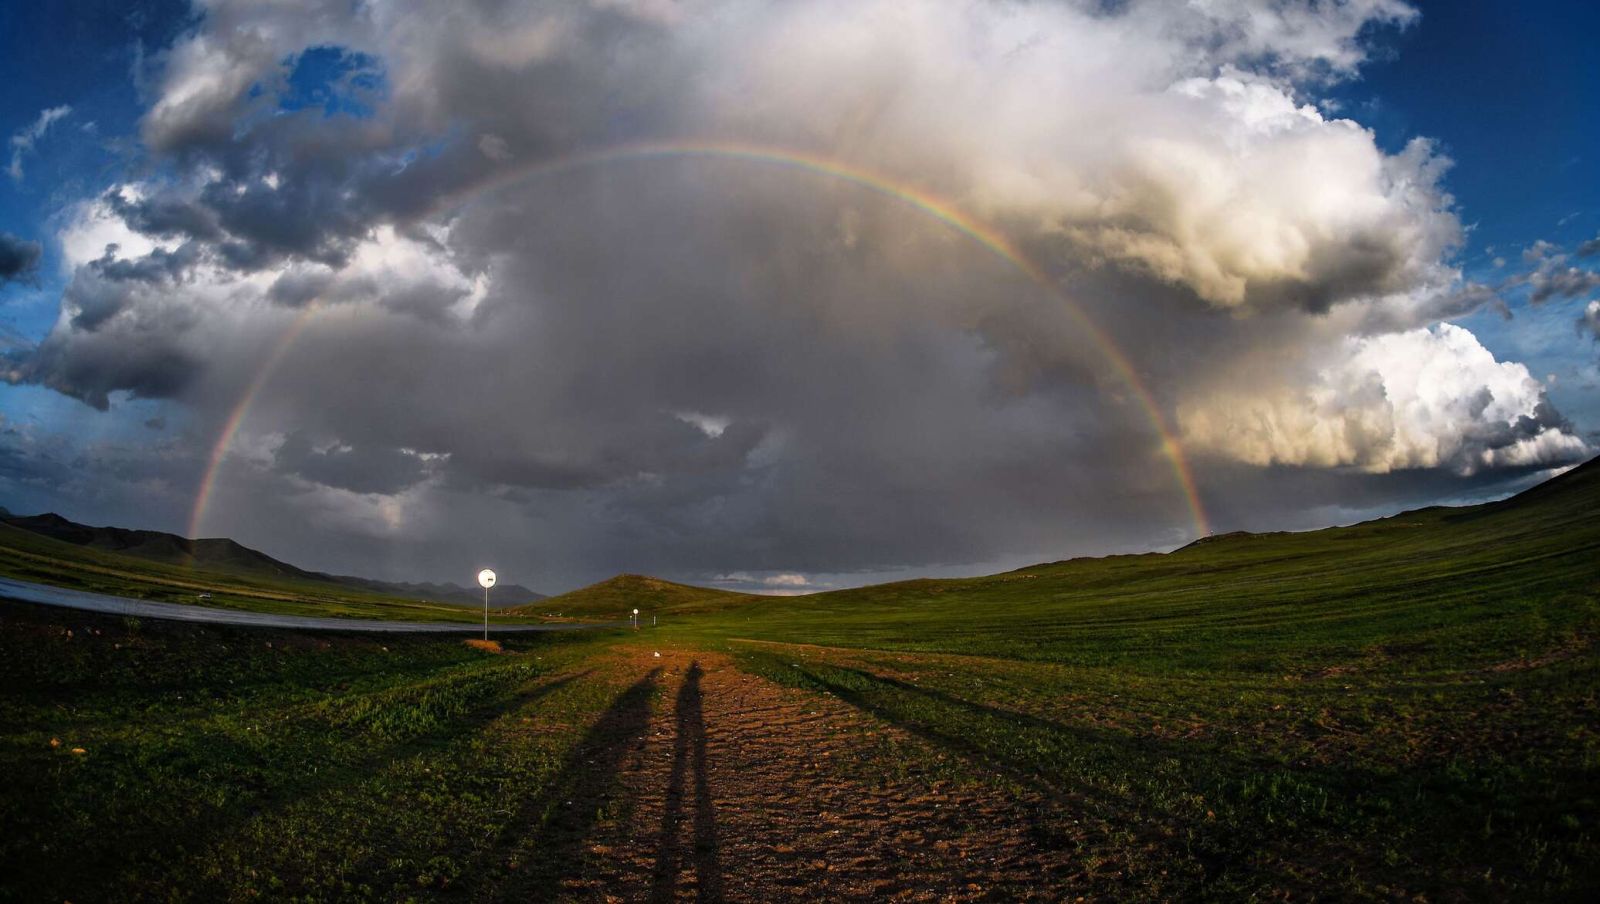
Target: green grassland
<point>1403,709</point>
<point>167,760</point>
<point>1441,588</point>
<point>30,557</point>
<point>1410,704</point>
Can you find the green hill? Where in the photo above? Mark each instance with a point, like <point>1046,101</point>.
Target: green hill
<point>225,556</point>
<point>30,556</point>
<point>1476,581</point>
<point>218,554</point>
<point>615,598</point>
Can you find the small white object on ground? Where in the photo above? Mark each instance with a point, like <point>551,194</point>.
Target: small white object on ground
<point>658,654</point>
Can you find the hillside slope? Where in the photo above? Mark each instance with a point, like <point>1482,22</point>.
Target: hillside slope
<point>615,598</point>
<point>29,556</point>
<point>1519,574</point>
<point>231,557</point>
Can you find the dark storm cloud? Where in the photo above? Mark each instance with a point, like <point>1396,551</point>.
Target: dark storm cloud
<point>19,258</point>
<point>166,216</point>
<point>300,286</point>
<point>98,482</point>
<point>358,470</point>
<point>127,333</point>
<point>709,365</point>
<point>106,287</point>
<point>159,265</point>
<point>97,365</point>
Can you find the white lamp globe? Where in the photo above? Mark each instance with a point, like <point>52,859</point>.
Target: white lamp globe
<point>486,579</point>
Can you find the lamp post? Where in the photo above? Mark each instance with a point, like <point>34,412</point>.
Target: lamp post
<point>636,619</point>
<point>486,580</point>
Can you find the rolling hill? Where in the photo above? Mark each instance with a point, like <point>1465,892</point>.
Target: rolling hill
<point>230,557</point>
<point>1236,595</point>
<point>615,597</point>
<point>1518,574</point>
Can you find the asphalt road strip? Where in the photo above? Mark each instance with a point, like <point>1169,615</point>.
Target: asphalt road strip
<point>28,592</point>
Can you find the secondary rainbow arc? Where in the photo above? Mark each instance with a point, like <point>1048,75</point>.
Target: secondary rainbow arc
<point>919,199</point>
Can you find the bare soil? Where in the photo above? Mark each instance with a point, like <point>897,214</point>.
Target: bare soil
<point>741,790</point>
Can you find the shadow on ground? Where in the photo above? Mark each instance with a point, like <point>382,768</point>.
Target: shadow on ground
<point>546,839</point>
<point>689,752</point>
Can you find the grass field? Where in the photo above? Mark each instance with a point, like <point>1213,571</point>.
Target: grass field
<point>1406,709</point>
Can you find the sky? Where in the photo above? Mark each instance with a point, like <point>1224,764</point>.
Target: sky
<point>784,297</point>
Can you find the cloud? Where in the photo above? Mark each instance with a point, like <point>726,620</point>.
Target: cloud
<point>715,363</point>
<point>1548,274</point>
<point>1555,281</point>
<point>19,258</point>
<point>1427,398</point>
<point>23,141</point>
<point>372,471</point>
<point>1220,182</point>
<point>776,584</point>
<point>1589,322</point>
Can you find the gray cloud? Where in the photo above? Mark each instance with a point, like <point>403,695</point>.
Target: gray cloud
<point>713,364</point>
<point>382,471</point>
<point>1548,273</point>
<point>1562,282</point>
<point>166,216</point>
<point>19,258</point>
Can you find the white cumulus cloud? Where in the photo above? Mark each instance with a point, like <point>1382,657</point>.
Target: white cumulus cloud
<point>1423,398</point>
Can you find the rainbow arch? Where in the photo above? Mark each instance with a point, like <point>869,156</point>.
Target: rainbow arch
<point>912,196</point>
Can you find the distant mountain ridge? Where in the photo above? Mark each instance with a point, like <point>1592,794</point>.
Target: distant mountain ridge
<point>223,554</point>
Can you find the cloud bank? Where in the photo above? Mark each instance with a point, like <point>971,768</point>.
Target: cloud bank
<point>713,363</point>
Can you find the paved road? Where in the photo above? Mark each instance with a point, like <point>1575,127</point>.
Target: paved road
<point>28,592</point>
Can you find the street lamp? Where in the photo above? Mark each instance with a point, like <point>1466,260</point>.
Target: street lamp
<point>636,619</point>
<point>486,580</point>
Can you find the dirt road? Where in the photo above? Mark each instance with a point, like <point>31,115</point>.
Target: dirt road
<point>733,788</point>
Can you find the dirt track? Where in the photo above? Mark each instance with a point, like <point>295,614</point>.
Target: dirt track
<point>736,789</point>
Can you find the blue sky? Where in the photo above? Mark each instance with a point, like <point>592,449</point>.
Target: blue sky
<point>1509,90</point>
<point>1505,91</point>
<point>82,55</point>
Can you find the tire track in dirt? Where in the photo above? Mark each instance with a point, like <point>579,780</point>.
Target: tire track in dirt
<point>747,791</point>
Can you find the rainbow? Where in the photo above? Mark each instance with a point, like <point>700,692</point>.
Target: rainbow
<point>910,195</point>
<point>241,409</point>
